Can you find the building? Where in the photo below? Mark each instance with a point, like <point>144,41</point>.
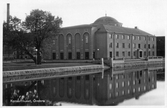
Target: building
<point>160,45</point>
<point>105,38</point>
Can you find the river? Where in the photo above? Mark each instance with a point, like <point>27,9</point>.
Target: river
<point>144,86</point>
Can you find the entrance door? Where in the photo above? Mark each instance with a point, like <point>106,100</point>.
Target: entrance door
<point>54,55</point>
<point>61,55</point>
<point>140,55</point>
<point>86,55</point>
<point>78,55</point>
<point>70,55</point>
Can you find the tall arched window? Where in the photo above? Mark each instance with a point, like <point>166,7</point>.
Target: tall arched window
<point>86,37</point>
<point>61,42</point>
<point>77,41</point>
<point>69,39</point>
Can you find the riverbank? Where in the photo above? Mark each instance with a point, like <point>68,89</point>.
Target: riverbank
<point>27,65</point>
<point>51,70</point>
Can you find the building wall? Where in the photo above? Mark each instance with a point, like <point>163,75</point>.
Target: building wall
<point>73,43</point>
<point>101,45</point>
<point>130,46</point>
<point>160,41</point>
<point>85,43</point>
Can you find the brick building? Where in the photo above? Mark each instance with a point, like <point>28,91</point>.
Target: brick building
<point>105,38</point>
<point>160,45</point>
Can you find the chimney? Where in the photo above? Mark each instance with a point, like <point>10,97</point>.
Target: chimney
<point>8,13</point>
<point>136,27</point>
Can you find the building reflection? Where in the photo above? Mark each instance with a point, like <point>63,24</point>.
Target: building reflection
<point>103,88</point>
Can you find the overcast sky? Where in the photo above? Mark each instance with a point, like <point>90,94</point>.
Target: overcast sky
<point>147,15</point>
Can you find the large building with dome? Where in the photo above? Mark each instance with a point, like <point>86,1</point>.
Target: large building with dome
<point>105,38</point>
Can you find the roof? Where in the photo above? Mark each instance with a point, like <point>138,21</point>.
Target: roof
<point>124,30</point>
<point>107,21</point>
<point>77,26</point>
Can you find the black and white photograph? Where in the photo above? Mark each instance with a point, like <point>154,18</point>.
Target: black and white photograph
<point>83,53</point>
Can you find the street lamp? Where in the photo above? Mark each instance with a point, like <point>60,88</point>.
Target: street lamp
<point>36,55</point>
<point>97,53</point>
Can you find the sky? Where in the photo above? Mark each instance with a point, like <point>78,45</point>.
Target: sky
<point>147,15</point>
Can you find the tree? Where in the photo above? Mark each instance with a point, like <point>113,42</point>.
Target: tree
<point>10,31</point>
<point>31,33</point>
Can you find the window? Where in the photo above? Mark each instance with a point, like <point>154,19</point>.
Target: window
<point>123,53</point>
<point>149,46</point>
<point>129,45</point>
<point>133,82</point>
<point>153,46</point>
<point>123,92</point>
<point>110,36</point>
<point>134,45</point>
<point>153,53</point>
<point>134,53</point>
<point>110,45</point>
<point>144,38</point>
<point>144,53</point>
<point>116,76</point>
<point>116,36</point>
<point>134,90</point>
<point>134,37</point>
<point>69,40</point>
<point>110,54</point>
<point>117,45</point>
<point>110,86</point>
<point>116,85</point>
<point>86,39</point>
<point>128,37</point>
<point>117,54</point>
<point>152,39</point>
<point>149,53</point>
<point>128,83</point>
<point>144,45</point>
<point>123,36</point>
<point>128,53</point>
<point>123,45</point>
<point>139,37</point>
<point>138,45</point>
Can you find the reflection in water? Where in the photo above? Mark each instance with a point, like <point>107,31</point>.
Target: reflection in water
<point>102,88</point>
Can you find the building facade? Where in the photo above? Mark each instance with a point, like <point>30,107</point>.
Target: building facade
<point>105,38</point>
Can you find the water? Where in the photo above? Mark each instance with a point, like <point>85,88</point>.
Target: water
<point>109,87</point>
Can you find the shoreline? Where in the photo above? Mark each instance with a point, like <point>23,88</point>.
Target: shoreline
<point>51,70</point>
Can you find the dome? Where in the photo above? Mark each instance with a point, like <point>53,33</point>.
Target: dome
<point>107,21</point>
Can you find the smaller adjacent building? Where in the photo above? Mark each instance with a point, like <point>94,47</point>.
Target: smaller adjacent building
<point>160,40</point>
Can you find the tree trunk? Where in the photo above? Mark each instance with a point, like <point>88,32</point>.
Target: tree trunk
<point>31,56</point>
<point>38,57</point>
